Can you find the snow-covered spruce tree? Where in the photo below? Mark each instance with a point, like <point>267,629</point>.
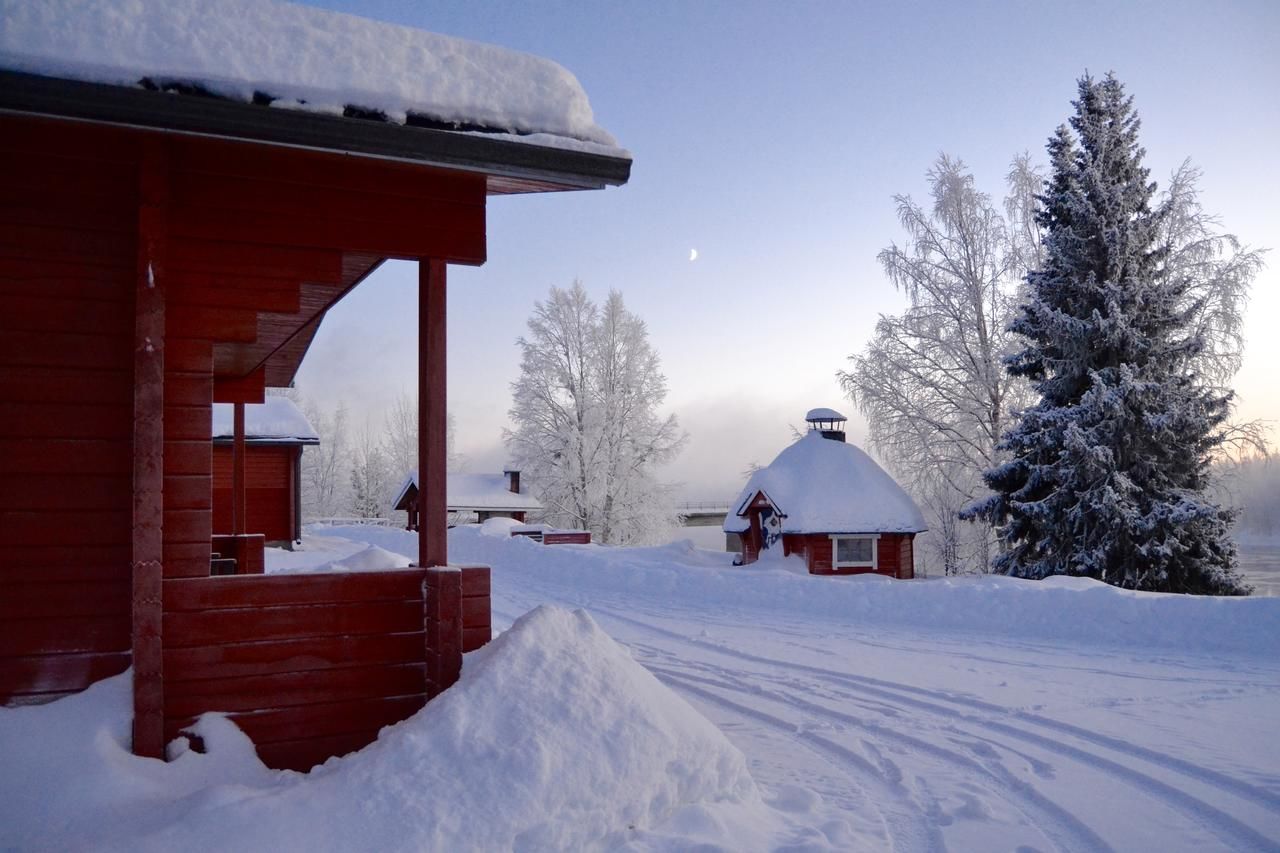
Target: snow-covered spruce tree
<point>1107,473</point>
<point>587,430</point>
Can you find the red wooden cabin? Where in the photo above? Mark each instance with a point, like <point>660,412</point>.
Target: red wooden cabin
<point>485,495</point>
<point>275,432</point>
<point>163,250</point>
<point>829,503</point>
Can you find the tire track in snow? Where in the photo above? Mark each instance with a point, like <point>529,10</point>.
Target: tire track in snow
<point>1063,829</point>
<point>908,827</point>
<point>1208,816</point>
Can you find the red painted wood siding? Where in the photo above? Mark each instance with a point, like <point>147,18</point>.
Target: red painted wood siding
<point>67,266</point>
<point>309,666</point>
<point>893,554</point>
<point>268,472</point>
<point>477,617</point>
<point>253,231</point>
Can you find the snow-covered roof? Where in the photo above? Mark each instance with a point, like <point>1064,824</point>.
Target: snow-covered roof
<point>302,58</point>
<point>824,415</point>
<point>276,421</point>
<point>825,486</point>
<point>476,493</point>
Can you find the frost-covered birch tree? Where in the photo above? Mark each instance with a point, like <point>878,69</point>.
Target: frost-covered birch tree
<point>588,433</point>
<point>400,438</point>
<point>931,382</point>
<point>326,466</point>
<point>371,484</point>
<point>1108,471</point>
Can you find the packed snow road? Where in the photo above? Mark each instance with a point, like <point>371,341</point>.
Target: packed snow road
<point>918,741</point>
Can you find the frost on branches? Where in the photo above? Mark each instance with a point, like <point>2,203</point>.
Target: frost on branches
<point>931,382</point>
<point>1107,474</point>
<point>587,430</point>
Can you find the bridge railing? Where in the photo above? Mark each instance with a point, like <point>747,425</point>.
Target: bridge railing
<point>702,507</point>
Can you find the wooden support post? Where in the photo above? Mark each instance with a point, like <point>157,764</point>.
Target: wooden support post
<point>433,522</point>
<point>238,524</point>
<point>442,586</point>
<point>442,594</point>
<point>148,452</point>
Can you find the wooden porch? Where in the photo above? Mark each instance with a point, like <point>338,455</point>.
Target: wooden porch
<point>158,253</point>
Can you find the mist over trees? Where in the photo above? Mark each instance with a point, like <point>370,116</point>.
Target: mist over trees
<point>587,430</point>
<point>326,467</point>
<point>357,474</point>
<point>1253,485</point>
<point>1107,474</point>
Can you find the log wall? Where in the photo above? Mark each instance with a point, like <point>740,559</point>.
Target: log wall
<point>269,477</point>
<point>893,553</point>
<point>67,271</point>
<point>309,666</point>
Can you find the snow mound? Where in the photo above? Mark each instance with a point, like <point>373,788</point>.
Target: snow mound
<point>554,739</point>
<point>499,528</point>
<point>370,558</point>
<point>304,58</point>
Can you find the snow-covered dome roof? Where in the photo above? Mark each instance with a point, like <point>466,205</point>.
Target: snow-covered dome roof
<point>826,486</point>
<point>824,415</point>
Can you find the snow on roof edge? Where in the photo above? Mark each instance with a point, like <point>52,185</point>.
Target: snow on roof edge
<point>475,492</point>
<point>275,420</point>
<point>303,58</point>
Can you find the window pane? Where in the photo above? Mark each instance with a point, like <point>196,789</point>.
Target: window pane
<point>853,550</point>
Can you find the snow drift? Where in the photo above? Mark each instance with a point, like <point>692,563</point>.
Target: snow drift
<point>554,739</point>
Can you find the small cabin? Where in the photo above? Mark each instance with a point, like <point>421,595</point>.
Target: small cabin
<point>486,495</point>
<point>275,432</point>
<point>828,502</point>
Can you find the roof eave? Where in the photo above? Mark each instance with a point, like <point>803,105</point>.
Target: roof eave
<point>267,441</point>
<point>532,167</point>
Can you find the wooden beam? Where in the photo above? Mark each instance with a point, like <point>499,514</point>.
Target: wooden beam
<point>237,472</point>
<point>433,549</point>
<point>148,451</point>
<point>241,389</point>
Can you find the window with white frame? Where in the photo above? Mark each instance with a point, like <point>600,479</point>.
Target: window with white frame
<point>855,552</point>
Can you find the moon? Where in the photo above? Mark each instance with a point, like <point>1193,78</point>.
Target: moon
<point>693,254</point>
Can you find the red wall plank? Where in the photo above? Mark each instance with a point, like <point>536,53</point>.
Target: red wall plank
<point>202,628</point>
<point>278,590</point>
<point>234,659</point>
<point>250,693</point>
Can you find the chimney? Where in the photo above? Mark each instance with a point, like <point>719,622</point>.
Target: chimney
<point>513,480</point>
<point>829,422</point>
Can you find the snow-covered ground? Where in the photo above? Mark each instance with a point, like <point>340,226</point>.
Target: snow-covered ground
<point>977,714</point>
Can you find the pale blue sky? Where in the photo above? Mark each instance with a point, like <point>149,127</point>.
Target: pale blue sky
<point>771,138</point>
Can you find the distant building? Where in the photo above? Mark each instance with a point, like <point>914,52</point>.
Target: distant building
<point>827,501</point>
<point>275,431</point>
<point>487,495</point>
